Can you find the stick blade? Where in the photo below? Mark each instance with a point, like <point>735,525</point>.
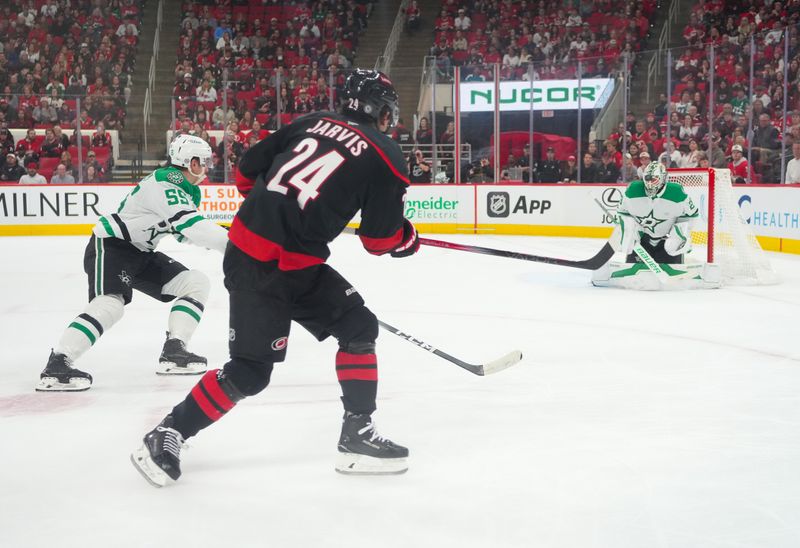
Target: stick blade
<point>502,363</point>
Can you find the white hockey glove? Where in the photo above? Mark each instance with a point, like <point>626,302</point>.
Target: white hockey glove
<point>678,241</point>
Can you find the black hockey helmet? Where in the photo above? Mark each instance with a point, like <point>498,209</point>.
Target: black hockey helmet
<point>370,93</point>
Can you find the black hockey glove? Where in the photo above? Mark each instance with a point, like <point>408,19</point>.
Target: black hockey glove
<point>410,243</point>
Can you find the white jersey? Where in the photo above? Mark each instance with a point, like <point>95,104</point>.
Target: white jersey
<point>163,203</point>
<point>656,216</point>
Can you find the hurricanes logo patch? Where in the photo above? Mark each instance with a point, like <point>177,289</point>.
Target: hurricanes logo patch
<point>125,278</point>
<point>279,344</point>
<point>231,334</point>
<point>174,177</point>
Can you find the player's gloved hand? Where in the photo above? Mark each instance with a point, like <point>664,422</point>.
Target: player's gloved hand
<point>410,243</point>
<point>676,243</point>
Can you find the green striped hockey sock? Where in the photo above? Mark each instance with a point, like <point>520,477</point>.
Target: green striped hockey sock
<point>184,317</point>
<point>98,317</point>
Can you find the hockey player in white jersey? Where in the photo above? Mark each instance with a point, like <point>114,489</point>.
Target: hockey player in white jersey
<point>653,231</point>
<point>121,256</point>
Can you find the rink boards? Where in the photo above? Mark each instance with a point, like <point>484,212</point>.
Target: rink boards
<point>541,210</point>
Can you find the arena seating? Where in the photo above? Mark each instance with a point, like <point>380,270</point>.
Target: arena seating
<point>66,53</point>
<point>250,47</point>
<point>728,25</point>
<point>552,39</point>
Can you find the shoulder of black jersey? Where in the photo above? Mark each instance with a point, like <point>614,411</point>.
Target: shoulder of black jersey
<point>385,147</point>
<point>381,145</point>
<point>392,153</point>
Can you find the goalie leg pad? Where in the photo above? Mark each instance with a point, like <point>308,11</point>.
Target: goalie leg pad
<point>638,277</point>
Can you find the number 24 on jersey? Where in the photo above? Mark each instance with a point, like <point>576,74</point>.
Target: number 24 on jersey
<point>311,176</point>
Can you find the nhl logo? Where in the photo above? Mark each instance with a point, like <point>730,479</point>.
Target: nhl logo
<point>497,204</point>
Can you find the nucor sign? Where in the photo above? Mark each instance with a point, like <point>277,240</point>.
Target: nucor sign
<point>547,95</point>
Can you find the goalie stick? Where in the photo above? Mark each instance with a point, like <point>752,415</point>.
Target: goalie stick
<point>592,263</point>
<point>646,258</point>
<point>478,369</point>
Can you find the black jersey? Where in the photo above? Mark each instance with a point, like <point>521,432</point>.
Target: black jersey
<point>305,182</point>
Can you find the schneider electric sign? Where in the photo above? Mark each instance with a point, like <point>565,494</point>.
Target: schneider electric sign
<point>547,95</point>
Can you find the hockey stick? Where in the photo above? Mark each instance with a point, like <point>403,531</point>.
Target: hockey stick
<point>592,263</point>
<point>480,369</point>
<point>646,258</point>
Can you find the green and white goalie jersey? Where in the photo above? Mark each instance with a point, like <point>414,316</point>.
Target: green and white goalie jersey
<point>657,217</point>
<point>163,203</point>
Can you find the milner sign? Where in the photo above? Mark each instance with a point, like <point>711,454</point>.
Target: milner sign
<point>547,95</point>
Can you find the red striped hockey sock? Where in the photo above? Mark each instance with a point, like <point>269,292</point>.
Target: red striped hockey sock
<point>206,403</point>
<point>358,377</point>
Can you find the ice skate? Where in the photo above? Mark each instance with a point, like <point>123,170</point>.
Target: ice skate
<point>159,457</point>
<point>60,376</point>
<point>363,451</point>
<point>176,360</point>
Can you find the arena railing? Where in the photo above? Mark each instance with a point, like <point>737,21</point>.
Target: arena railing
<point>384,62</point>
<point>151,74</point>
<point>654,68</point>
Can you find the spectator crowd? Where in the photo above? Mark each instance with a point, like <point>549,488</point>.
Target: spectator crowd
<point>248,67</point>
<point>55,55</point>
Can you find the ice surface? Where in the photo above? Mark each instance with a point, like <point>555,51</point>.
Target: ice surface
<point>635,420</point>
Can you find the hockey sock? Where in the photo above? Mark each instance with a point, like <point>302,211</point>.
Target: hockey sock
<point>99,315</point>
<point>191,288</point>
<point>358,377</point>
<point>209,401</point>
<point>184,316</point>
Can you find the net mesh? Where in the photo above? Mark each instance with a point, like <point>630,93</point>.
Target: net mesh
<point>735,247</point>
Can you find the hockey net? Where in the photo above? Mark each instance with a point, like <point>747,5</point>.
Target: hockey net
<point>728,239</point>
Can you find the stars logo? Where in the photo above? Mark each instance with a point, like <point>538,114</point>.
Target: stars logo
<point>649,222</point>
<point>125,278</point>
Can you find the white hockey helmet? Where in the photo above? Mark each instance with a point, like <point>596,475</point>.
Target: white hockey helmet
<point>654,178</point>
<point>185,147</point>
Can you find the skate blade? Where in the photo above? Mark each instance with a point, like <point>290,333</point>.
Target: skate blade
<point>353,464</point>
<point>170,368</point>
<point>51,384</point>
<point>154,475</point>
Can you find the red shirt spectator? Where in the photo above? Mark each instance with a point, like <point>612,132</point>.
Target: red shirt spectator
<point>30,142</point>
<point>739,167</point>
<point>101,138</point>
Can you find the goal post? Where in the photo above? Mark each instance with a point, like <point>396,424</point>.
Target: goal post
<point>728,239</point>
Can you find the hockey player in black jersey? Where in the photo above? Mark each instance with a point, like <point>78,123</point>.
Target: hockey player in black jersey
<point>303,184</point>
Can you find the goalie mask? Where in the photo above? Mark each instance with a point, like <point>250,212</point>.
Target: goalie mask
<point>654,178</point>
